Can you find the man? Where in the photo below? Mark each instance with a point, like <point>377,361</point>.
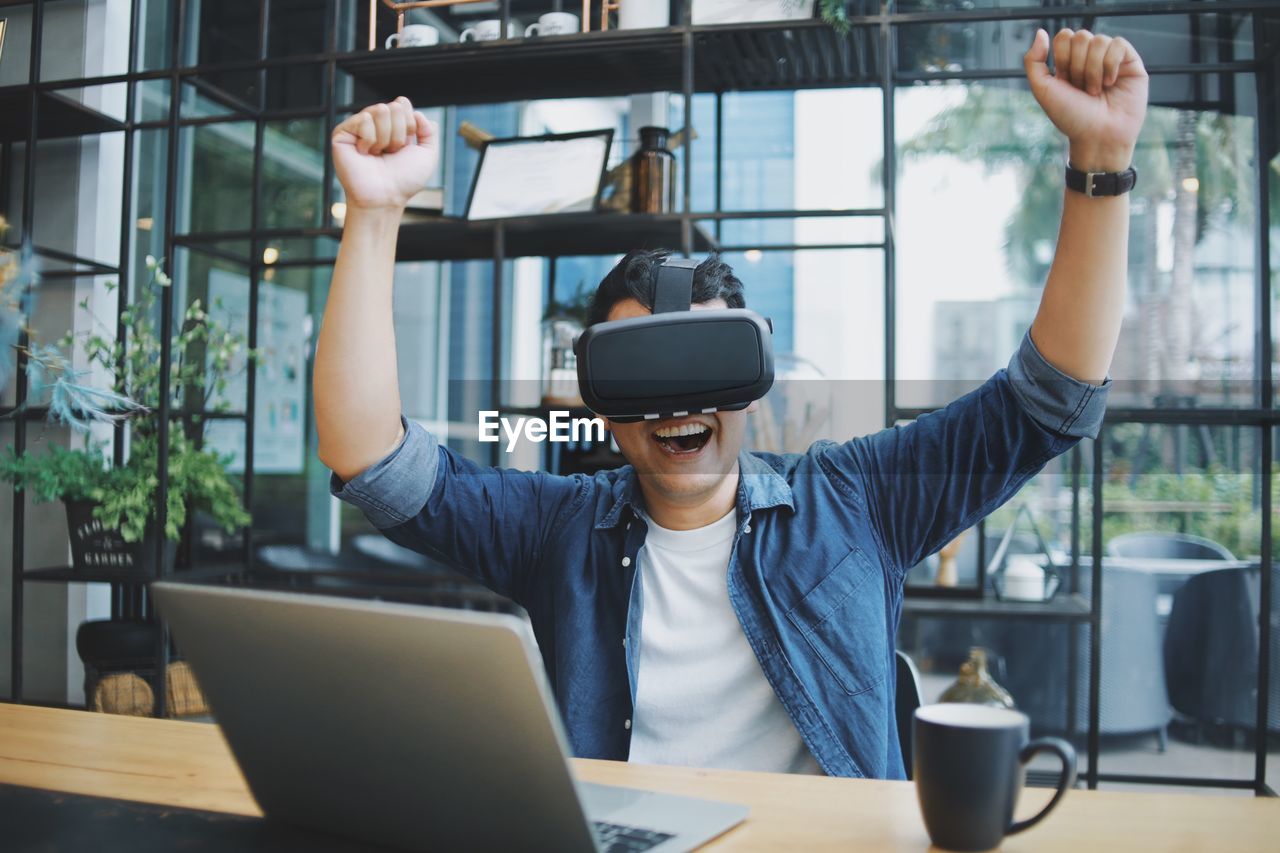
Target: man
<point>702,605</point>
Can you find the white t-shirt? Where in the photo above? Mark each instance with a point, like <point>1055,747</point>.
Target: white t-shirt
<point>701,698</point>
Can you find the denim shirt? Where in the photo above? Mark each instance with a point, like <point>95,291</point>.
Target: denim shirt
<point>815,575</point>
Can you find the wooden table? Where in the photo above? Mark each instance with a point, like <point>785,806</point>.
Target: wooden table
<point>188,764</point>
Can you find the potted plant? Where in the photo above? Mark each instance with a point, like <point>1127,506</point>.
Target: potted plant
<point>111,511</point>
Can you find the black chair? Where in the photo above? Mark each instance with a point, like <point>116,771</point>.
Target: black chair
<point>1162,545</point>
<point>906,699</point>
<point>1211,650</point>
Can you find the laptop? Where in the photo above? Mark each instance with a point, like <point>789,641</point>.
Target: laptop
<point>407,726</point>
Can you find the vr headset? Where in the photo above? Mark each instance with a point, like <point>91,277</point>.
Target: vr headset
<point>676,361</point>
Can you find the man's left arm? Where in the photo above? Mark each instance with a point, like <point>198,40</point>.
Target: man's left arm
<point>923,483</point>
<point>1097,98</point>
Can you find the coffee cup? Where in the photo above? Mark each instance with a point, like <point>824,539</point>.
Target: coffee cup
<point>488,30</point>
<point>969,768</point>
<point>553,24</point>
<point>414,35</point>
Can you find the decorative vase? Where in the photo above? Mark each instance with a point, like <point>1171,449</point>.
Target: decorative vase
<point>975,685</point>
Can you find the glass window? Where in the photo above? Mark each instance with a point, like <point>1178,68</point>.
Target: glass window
<point>293,173</point>
<point>222,33</point>
<point>1181,536</point>
<point>296,87</point>
<point>84,38</point>
<point>155,39</point>
<point>75,178</point>
<point>1164,40</point>
<point>215,190</point>
<point>15,46</point>
<point>151,100</point>
<point>978,195</point>
<point>299,26</point>
<point>979,198</point>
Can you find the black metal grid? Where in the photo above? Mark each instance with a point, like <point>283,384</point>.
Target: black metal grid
<point>682,58</point>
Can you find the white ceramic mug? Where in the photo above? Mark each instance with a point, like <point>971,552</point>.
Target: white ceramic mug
<point>554,24</point>
<point>414,35</point>
<point>643,14</point>
<point>488,30</point>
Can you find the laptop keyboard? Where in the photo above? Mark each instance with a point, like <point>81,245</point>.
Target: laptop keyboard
<point>617,838</point>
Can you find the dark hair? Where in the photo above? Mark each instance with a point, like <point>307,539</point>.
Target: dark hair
<point>636,276</point>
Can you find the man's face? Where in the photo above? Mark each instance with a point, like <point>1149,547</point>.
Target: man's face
<point>683,459</point>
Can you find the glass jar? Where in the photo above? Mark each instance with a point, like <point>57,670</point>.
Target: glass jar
<point>653,170</point>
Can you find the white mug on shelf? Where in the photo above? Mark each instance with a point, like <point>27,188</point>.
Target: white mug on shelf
<point>643,14</point>
<point>554,24</point>
<point>414,35</point>
<point>488,30</point>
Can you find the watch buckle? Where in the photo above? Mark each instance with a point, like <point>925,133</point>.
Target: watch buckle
<point>1088,183</point>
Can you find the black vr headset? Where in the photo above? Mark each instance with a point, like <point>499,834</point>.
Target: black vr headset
<point>676,361</point>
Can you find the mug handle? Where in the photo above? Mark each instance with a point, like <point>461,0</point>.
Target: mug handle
<point>469,31</point>
<point>532,30</point>
<point>1067,780</point>
<point>393,40</point>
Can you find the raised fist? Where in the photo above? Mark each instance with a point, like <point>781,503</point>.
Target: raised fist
<point>384,154</point>
<point>1096,95</point>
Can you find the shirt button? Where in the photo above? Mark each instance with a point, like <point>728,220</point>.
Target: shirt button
<point>627,725</point>
<point>626,561</point>
<point>746,528</point>
<point>624,641</point>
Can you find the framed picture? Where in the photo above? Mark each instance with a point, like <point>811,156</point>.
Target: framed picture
<point>539,175</point>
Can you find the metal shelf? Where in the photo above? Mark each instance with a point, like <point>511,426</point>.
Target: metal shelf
<point>67,574</point>
<point>546,236</point>
<point>1062,608</point>
<point>751,57</point>
<point>560,235</point>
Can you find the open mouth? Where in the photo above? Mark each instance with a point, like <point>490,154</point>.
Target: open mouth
<point>683,439</point>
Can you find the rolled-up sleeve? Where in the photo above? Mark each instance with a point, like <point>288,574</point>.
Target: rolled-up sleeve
<point>394,489</point>
<point>1057,401</point>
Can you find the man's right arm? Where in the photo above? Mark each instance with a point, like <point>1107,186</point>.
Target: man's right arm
<point>382,156</point>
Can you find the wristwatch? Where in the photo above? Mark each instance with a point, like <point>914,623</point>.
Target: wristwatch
<point>1101,183</point>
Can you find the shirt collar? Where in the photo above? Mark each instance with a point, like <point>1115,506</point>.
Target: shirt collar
<point>760,486</point>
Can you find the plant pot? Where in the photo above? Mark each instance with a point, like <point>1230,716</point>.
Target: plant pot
<point>96,548</point>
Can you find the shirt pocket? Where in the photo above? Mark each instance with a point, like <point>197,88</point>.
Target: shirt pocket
<point>843,620</point>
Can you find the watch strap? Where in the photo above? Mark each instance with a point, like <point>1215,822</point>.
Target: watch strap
<point>1101,183</point>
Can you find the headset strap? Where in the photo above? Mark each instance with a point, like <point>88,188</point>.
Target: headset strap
<point>675,285</point>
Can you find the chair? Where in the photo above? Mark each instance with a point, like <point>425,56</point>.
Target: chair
<point>907,698</point>
<point>1133,697</point>
<point>1162,545</point>
<point>1211,650</point>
